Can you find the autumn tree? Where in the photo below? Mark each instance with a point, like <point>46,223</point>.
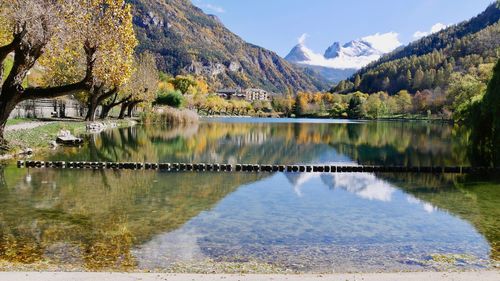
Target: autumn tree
<point>140,88</point>
<point>102,32</point>
<point>183,83</point>
<point>109,30</point>
<point>28,29</point>
<point>284,104</point>
<point>403,102</point>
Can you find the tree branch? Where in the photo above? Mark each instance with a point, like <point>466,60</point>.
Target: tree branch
<point>106,95</point>
<point>19,33</point>
<point>115,103</point>
<point>53,92</point>
<point>58,91</point>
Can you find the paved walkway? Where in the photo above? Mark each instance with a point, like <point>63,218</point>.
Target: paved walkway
<point>417,276</point>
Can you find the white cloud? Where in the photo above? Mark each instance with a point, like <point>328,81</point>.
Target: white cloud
<point>302,38</point>
<point>209,7</point>
<point>435,28</point>
<point>214,8</point>
<point>384,42</point>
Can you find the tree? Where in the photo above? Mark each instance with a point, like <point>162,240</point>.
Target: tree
<point>355,109</point>
<point>110,31</point>
<point>403,102</point>
<point>301,104</point>
<point>31,28</point>
<point>461,93</point>
<point>421,101</point>
<point>142,85</point>
<point>338,110</point>
<point>284,104</point>
<point>484,119</point>
<point>172,98</point>
<point>357,82</point>
<point>104,29</point>
<point>183,83</point>
<point>418,79</point>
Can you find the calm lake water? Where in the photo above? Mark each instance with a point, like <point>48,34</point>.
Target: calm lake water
<point>217,222</point>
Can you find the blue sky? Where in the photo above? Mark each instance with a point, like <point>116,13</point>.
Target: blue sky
<point>277,24</point>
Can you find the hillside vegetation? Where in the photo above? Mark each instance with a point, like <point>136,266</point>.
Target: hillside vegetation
<point>187,41</point>
<point>430,62</point>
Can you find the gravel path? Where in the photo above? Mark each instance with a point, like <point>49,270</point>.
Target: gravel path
<point>26,126</point>
<point>411,276</point>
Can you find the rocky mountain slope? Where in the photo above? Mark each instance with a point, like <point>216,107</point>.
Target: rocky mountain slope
<point>188,41</point>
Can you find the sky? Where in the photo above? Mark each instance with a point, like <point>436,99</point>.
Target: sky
<point>278,25</point>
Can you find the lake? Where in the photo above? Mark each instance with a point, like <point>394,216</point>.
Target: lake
<point>263,222</point>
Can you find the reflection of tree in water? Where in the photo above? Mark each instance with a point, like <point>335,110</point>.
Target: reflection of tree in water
<point>92,219</point>
<point>97,217</point>
<point>3,183</point>
<point>391,143</point>
<point>388,143</point>
<point>475,199</point>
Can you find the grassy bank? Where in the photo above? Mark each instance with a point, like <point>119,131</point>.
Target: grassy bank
<point>40,137</point>
<point>16,121</point>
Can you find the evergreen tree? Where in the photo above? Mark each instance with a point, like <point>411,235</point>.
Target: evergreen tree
<point>357,81</point>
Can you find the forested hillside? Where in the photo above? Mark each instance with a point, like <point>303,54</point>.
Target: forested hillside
<point>430,62</point>
<point>187,41</point>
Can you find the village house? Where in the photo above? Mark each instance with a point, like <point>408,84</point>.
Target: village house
<point>250,94</point>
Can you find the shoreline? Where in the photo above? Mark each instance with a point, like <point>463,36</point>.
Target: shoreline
<point>391,119</point>
<point>36,135</point>
<point>115,276</point>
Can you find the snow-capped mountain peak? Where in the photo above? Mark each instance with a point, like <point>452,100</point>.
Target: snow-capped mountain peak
<point>359,48</point>
<point>352,55</point>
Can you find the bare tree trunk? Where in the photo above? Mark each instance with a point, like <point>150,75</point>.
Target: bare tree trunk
<point>6,107</point>
<point>98,96</point>
<point>130,109</point>
<point>3,142</point>
<point>123,110</point>
<point>105,110</point>
<point>91,109</point>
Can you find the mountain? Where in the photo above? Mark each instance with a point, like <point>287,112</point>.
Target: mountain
<point>187,41</point>
<point>428,63</point>
<point>332,51</point>
<point>339,62</point>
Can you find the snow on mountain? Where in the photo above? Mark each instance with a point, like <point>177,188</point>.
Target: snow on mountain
<point>353,55</point>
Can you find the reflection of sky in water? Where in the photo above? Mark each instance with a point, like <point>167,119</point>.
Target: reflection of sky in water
<point>320,221</point>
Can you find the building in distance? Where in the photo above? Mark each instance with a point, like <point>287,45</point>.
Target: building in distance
<point>250,94</point>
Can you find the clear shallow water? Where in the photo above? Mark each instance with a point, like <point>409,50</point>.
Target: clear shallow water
<point>102,220</point>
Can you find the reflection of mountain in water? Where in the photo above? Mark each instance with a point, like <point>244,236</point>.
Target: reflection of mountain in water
<point>332,224</point>
<point>105,214</point>
<point>363,185</point>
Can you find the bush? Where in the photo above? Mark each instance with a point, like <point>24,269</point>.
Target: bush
<point>172,98</point>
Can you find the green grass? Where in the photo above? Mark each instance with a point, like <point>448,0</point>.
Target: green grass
<point>40,137</point>
<point>16,121</point>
